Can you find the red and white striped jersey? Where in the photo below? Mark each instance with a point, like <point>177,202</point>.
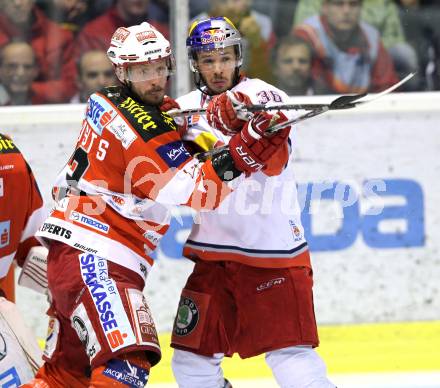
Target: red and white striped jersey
<point>259,223</point>
<point>128,169</point>
<point>21,206</point>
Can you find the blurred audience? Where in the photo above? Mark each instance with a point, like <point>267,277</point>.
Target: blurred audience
<point>292,67</point>
<point>95,72</point>
<point>18,69</point>
<point>159,10</point>
<point>334,46</point>
<point>420,21</point>
<point>52,45</point>
<point>97,33</point>
<point>384,16</point>
<point>69,14</point>
<point>281,13</point>
<point>348,55</point>
<point>256,28</point>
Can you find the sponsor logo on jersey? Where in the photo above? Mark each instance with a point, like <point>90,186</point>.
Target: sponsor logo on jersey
<point>139,113</point>
<point>81,330</point>
<point>146,35</point>
<point>83,248</point>
<point>153,237</point>
<point>126,373</point>
<point>213,36</point>
<point>7,146</point>
<point>120,35</point>
<point>108,303</point>
<point>99,113</point>
<point>84,329</point>
<point>89,221</point>
<point>173,154</point>
<point>270,284</point>
<point>148,122</point>
<point>143,269</point>
<point>56,230</point>
<point>142,318</point>
<point>297,235</point>
<point>187,317</point>
<point>193,120</point>
<point>53,329</point>
<point>5,231</point>
<point>122,132</point>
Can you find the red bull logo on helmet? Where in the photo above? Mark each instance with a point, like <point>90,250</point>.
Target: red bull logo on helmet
<point>213,36</point>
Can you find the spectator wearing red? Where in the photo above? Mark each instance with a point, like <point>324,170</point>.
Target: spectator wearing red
<point>349,56</point>
<point>96,34</point>
<point>52,45</point>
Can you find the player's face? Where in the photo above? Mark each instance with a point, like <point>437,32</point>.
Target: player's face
<point>293,65</point>
<point>343,15</point>
<point>217,67</point>
<point>149,81</point>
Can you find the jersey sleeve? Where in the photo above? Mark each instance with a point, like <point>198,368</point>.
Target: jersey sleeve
<point>163,170</point>
<point>21,206</point>
<point>36,214</point>
<point>160,167</point>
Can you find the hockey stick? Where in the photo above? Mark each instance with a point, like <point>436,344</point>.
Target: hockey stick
<point>342,102</point>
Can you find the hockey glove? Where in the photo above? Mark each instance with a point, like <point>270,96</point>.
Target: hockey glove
<point>169,105</point>
<point>252,148</point>
<point>223,112</point>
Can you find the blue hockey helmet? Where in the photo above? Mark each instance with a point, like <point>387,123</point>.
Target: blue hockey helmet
<point>213,34</point>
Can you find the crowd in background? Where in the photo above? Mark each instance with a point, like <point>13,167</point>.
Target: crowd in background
<point>54,51</point>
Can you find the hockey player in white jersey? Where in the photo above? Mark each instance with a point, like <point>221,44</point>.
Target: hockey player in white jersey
<point>251,288</point>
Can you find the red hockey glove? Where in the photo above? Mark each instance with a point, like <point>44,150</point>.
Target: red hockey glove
<point>252,148</point>
<point>169,105</point>
<point>222,112</point>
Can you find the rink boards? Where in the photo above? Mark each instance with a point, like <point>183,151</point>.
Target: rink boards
<point>369,349</point>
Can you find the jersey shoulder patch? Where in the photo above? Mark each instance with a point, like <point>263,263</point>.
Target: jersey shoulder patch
<point>7,146</point>
<point>147,120</point>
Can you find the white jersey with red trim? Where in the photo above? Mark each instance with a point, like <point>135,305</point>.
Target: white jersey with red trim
<point>128,168</point>
<point>259,223</point>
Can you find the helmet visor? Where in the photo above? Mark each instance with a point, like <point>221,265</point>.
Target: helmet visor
<point>160,68</point>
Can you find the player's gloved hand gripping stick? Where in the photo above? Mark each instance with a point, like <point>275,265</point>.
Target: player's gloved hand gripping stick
<point>342,102</point>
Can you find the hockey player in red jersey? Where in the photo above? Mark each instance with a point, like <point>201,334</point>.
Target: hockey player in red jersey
<point>113,197</point>
<point>21,208</point>
<point>21,214</point>
<point>251,288</point>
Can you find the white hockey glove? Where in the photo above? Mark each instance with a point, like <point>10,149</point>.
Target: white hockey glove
<point>34,272</point>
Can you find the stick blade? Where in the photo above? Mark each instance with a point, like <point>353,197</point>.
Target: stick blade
<point>346,102</point>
